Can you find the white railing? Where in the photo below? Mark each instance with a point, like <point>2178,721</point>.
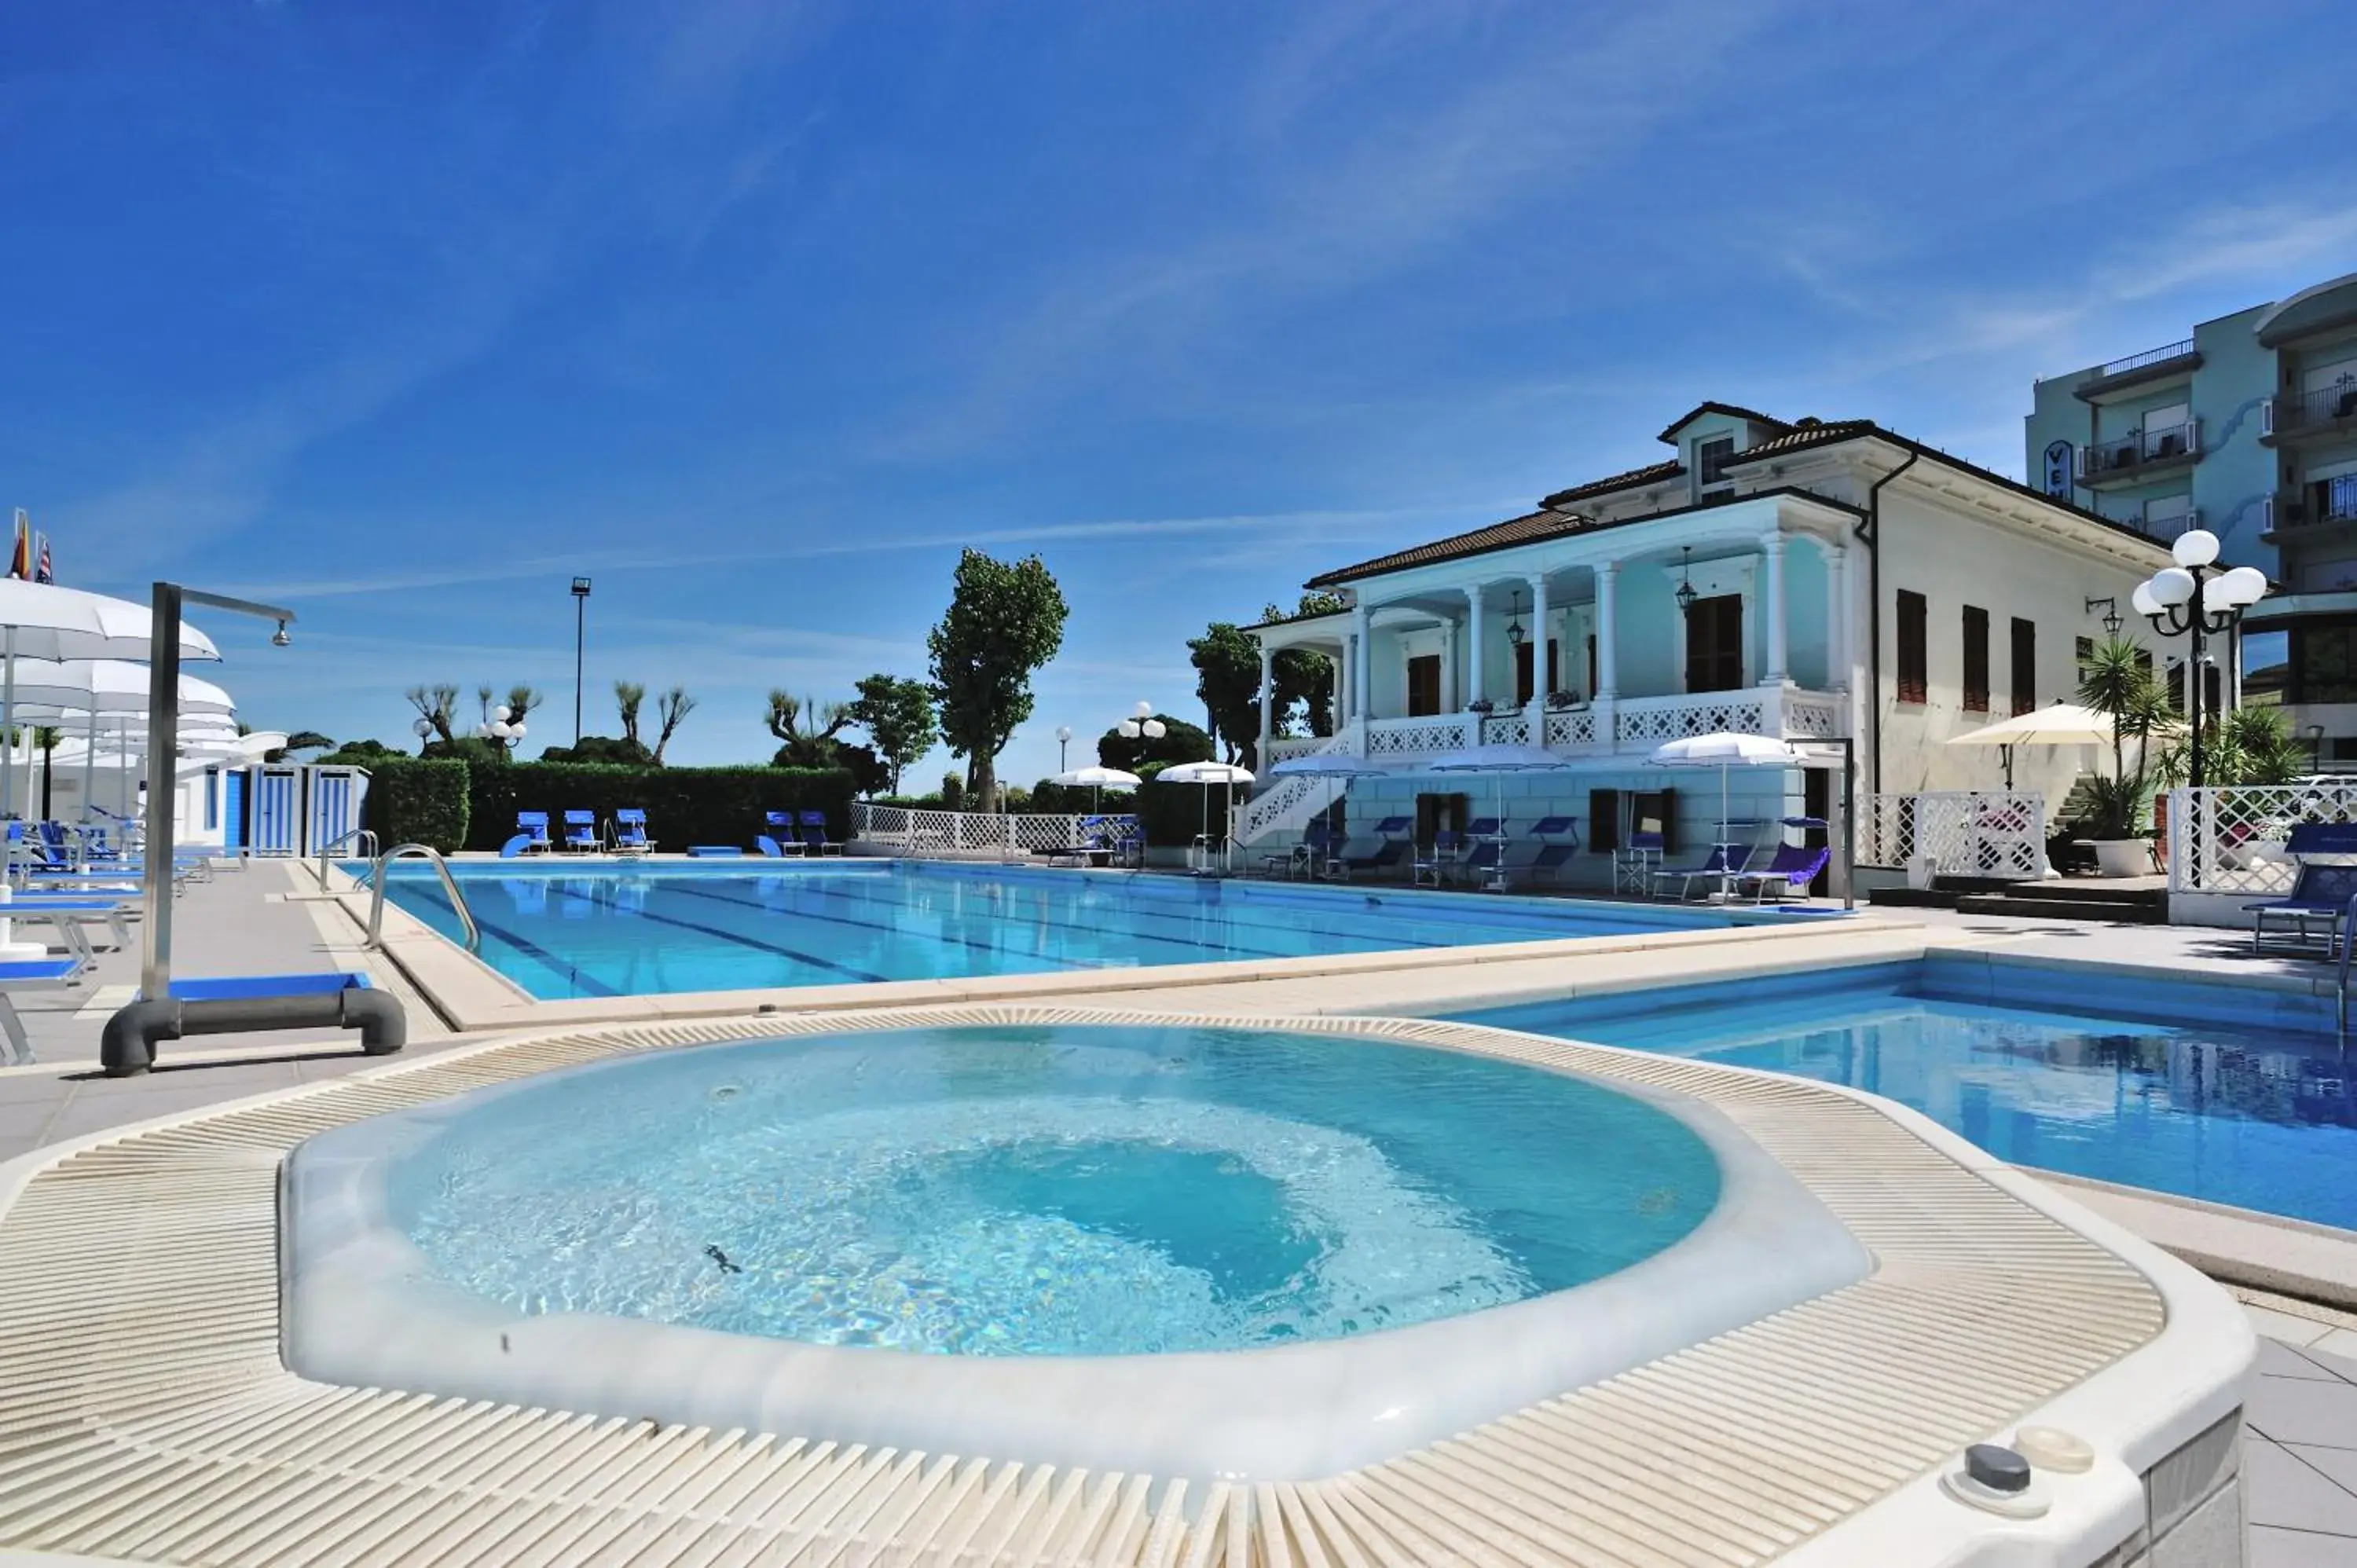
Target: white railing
<point>1813,716</point>
<point>918,833</point>
<point>1284,747</point>
<point>1963,832</point>
<point>1573,729</point>
<point>1509,728</point>
<point>1649,721</point>
<point>2232,840</point>
<point>1419,736</point>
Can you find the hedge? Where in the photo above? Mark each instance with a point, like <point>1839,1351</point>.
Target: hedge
<point>683,805</point>
<point>412,800</point>
<point>451,804</point>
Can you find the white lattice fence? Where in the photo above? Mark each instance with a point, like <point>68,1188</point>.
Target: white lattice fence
<point>1567,730</point>
<point>2230,840</point>
<point>918,833</point>
<point>1414,737</point>
<point>1725,712</point>
<point>1965,832</point>
<point>1808,716</point>
<point>1506,729</point>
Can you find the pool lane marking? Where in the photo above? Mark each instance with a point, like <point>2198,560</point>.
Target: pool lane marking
<point>728,936</point>
<point>523,944</point>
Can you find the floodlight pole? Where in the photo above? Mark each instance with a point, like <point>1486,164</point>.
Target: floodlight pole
<point>580,630</point>
<point>163,738</point>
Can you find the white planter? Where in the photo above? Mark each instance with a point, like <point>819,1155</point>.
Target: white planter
<point>2123,857</point>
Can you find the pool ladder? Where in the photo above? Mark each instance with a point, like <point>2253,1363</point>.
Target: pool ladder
<point>2341,985</point>
<point>365,837</point>
<point>449,886</point>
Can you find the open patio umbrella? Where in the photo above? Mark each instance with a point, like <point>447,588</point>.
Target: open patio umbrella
<point>2061,724</point>
<point>1501,758</point>
<point>1206,774</point>
<point>41,620</point>
<point>1096,779</point>
<point>1726,750</point>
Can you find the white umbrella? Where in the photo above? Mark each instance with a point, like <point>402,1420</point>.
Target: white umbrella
<point>1330,765</point>
<point>1206,774</point>
<point>1724,750</point>
<point>1096,779</point>
<point>1503,757</point>
<point>41,620</point>
<point>2063,723</point>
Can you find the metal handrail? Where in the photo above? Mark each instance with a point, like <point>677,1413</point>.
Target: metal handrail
<point>449,886</point>
<point>367,836</point>
<point>2348,940</point>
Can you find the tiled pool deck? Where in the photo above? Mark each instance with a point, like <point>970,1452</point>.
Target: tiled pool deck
<point>2299,1452</point>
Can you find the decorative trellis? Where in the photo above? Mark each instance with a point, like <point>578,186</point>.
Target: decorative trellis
<point>1811,718</point>
<point>1506,729</point>
<point>921,833</point>
<point>2232,840</point>
<point>1410,738</point>
<point>1571,730</point>
<point>1713,714</point>
<point>1996,834</point>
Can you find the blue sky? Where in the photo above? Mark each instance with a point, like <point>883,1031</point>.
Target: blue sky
<point>403,314</point>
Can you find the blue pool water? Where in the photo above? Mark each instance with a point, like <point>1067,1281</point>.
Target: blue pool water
<point>1047,1191</point>
<point>626,931</point>
<point>2226,1094</point>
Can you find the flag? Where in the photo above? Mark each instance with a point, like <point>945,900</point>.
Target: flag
<point>41,572</point>
<point>20,557</point>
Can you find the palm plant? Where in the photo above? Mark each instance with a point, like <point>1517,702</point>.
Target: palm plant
<point>2246,746</point>
<point>2116,681</point>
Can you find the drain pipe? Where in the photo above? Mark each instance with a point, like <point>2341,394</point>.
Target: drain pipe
<point>1870,532</point>
<point>127,1045</point>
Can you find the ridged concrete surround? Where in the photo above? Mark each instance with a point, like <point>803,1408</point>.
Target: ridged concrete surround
<point>144,1413</point>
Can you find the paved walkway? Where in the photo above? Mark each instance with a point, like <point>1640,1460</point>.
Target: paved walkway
<point>2300,1448</point>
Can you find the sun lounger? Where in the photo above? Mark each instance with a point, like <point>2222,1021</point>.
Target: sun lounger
<point>532,827</point>
<point>581,832</point>
<point>2318,902</point>
<point>29,975</point>
<point>1384,857</point>
<point>1723,864</point>
<point>68,913</point>
<point>1434,863</point>
<point>1790,870</point>
<point>814,836</point>
<point>1555,853</point>
<point>630,831</point>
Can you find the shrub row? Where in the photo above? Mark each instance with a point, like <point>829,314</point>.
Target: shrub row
<point>454,805</point>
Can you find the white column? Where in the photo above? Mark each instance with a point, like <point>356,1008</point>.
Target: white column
<point>1608,656</point>
<point>1771,545</point>
<point>1477,676</point>
<point>1449,667</point>
<point>1267,704</point>
<point>1837,617</point>
<point>1361,652</point>
<point>1538,653</point>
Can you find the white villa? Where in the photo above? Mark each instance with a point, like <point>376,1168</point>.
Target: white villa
<point>1813,581</point>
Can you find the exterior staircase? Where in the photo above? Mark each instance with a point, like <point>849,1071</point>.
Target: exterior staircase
<point>1282,807</point>
<point>2077,898</point>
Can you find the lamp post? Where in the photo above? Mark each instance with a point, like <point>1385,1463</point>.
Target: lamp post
<point>1142,724</point>
<point>2193,600</point>
<point>1063,739</point>
<point>498,728</point>
<point>580,627</point>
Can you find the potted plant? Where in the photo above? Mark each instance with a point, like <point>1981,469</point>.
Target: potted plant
<point>1481,707</point>
<point>1562,702</point>
<point>2117,682</point>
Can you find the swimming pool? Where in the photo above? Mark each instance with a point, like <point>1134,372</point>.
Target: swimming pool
<point>1280,1249</point>
<point>561,931</point>
<point>2229,1094</point>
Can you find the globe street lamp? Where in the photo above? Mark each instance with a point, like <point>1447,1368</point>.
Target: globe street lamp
<point>498,728</point>
<point>1063,739</point>
<point>2195,601</point>
<point>1144,724</point>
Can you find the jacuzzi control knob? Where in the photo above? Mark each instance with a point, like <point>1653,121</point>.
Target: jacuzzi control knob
<point>1998,1469</point>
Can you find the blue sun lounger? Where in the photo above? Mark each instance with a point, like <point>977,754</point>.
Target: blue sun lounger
<point>28,974</point>
<point>68,913</point>
<point>814,836</point>
<point>630,831</point>
<point>581,832</point>
<point>530,835</point>
<point>1726,862</point>
<point>1554,855</point>
<point>2319,897</point>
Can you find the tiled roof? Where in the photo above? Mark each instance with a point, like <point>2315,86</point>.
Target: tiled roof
<point>1527,529</point>
<point>1670,432</point>
<point>1816,433</point>
<point>1652,473</point>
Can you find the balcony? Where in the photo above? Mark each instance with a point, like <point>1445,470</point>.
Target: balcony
<point>2139,370</point>
<point>2290,518</point>
<point>2310,416</point>
<point>1630,727</point>
<point>2140,456</point>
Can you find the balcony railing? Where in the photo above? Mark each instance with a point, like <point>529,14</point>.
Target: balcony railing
<point>2149,357</point>
<point>2295,412</point>
<point>1636,725</point>
<point>2290,512</point>
<point>2101,460</point>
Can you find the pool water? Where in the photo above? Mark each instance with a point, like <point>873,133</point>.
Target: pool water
<point>1028,1191</point>
<point>631,930</point>
<point>2206,1091</point>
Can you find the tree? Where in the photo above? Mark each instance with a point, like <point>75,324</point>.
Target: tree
<point>625,752</point>
<point>1179,742</point>
<point>360,754</point>
<point>868,771</point>
<point>436,705</point>
<point>671,710</point>
<point>808,729</point>
<point>308,740</point>
<point>2116,680</point>
<point>1227,679</point>
<point>1003,622</point>
<point>897,715</point>
<point>628,695</point>
<point>1300,675</point>
<point>46,738</point>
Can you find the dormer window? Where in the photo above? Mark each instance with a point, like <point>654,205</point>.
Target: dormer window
<point>1711,458</point>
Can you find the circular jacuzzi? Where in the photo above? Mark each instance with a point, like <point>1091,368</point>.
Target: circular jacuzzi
<point>1276,1252</point>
